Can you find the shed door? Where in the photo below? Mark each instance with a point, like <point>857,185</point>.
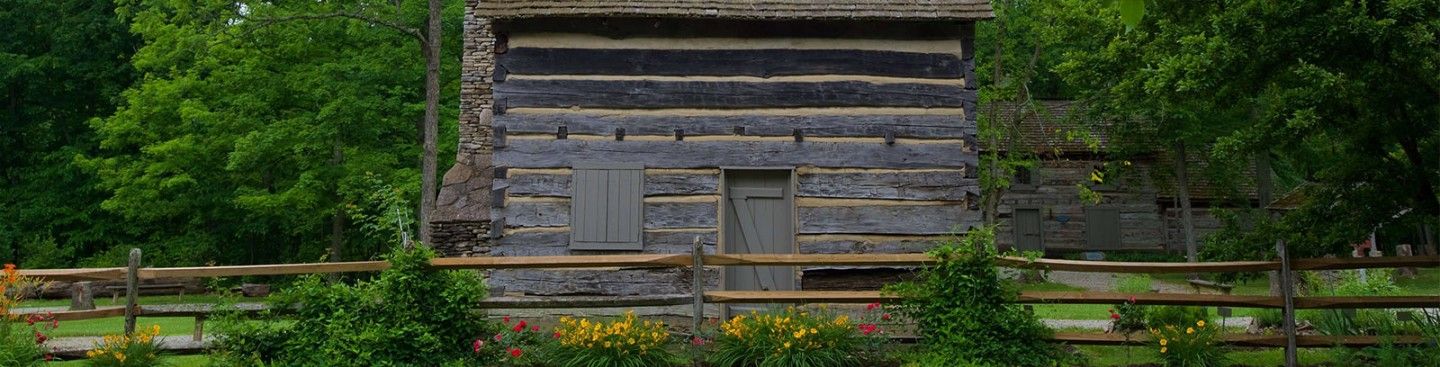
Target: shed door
<point>758,220</point>
<point>1102,228</point>
<point>1027,230</point>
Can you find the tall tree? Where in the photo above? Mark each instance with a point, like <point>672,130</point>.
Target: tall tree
<point>62,62</point>
<point>1344,94</point>
<point>256,136</point>
<point>428,173</point>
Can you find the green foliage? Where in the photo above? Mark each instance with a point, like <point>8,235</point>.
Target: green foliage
<point>261,124</point>
<point>1160,316</point>
<point>1190,344</point>
<point>137,350</point>
<point>18,347</point>
<point>62,62</point>
<point>799,337</point>
<point>514,344</point>
<point>243,340</point>
<point>1134,283</point>
<point>965,312</point>
<point>408,315</point>
<point>623,342</point>
<point>1269,318</point>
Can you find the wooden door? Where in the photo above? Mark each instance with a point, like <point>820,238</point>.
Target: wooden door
<point>1028,235</point>
<point>1102,228</point>
<point>759,207</point>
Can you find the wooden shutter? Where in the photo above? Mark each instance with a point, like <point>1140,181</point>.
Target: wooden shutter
<point>1102,228</point>
<point>606,211</point>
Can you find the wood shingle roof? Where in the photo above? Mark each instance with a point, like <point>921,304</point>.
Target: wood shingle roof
<point>743,9</point>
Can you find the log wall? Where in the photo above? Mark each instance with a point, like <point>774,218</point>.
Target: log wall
<point>874,124</point>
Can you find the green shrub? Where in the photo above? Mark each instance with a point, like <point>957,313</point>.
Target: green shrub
<point>1159,316</point>
<point>1192,344</point>
<point>513,344</point>
<point>242,340</point>
<point>409,315</point>
<point>136,350</point>
<point>965,312</point>
<point>624,342</point>
<point>20,345</point>
<point>1269,318</point>
<point>798,337</point>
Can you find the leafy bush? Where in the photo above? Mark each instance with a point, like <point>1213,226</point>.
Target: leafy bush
<point>512,345</point>
<point>965,313</point>
<point>242,340</point>
<point>626,342</point>
<point>798,337</point>
<point>1127,317</point>
<point>1188,345</point>
<point>409,315</point>
<point>1269,318</point>
<point>1159,316</point>
<point>20,346</point>
<point>137,350</point>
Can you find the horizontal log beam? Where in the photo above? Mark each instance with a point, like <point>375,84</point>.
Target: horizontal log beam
<point>834,124</point>
<point>562,262</point>
<point>755,62</point>
<point>74,275</point>
<point>278,269</point>
<point>1242,340</point>
<point>1138,267</point>
<point>550,93</point>
<point>1366,263</point>
<point>584,301</point>
<point>1171,299</point>
<point>811,260</point>
<point>710,154</point>
<point>796,297</point>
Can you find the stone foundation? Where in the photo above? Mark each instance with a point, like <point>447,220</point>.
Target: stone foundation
<point>461,239</point>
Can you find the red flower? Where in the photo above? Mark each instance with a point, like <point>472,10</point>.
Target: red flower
<point>867,329</point>
<point>497,337</point>
<point>885,317</point>
<point>49,357</point>
<point>479,343</point>
<point>697,341</point>
<point>516,352</point>
<point>1132,299</point>
<point>534,328</point>
<point>1115,316</point>
<point>556,335</point>
<point>506,319</point>
<point>518,327</point>
<point>872,306</point>
<point>40,338</point>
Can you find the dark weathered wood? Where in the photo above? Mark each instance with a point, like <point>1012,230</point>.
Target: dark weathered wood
<point>666,184</point>
<point>132,291</point>
<point>557,243</point>
<point>493,303</point>
<point>556,93</point>
<point>697,288</point>
<point>889,185</point>
<point>1287,289</point>
<point>657,215</point>
<point>919,219</point>
<point>679,29</point>
<point>560,262</point>
<point>1366,263</point>
<point>754,62</point>
<point>856,279</point>
<point>65,275</point>
<point>914,245</point>
<point>609,282</point>
<point>710,154</point>
<point>904,126</point>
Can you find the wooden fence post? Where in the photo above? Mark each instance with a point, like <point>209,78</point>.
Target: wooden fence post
<point>698,289</point>
<point>1287,287</point>
<point>132,291</point>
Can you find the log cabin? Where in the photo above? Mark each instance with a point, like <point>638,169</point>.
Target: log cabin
<point>1138,210</point>
<point>614,127</point>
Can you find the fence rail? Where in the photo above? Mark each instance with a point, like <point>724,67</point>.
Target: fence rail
<point>200,312</point>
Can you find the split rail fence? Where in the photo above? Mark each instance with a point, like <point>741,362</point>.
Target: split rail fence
<point>697,260</point>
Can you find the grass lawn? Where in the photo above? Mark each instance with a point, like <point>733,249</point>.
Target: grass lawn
<point>116,325</point>
<point>144,300</point>
<point>195,360</point>
<point>1117,356</point>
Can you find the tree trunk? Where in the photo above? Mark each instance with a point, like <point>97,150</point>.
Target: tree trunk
<point>1182,188</point>
<point>432,119</point>
<point>337,219</point>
